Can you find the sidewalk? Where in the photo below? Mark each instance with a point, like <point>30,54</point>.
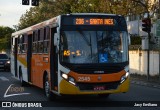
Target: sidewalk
<point>142,80</point>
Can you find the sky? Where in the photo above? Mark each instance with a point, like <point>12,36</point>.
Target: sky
<point>11,11</point>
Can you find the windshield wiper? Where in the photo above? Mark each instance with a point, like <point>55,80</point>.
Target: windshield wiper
<point>87,41</point>
<point>85,38</point>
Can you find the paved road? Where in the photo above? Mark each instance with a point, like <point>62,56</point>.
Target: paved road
<point>10,90</point>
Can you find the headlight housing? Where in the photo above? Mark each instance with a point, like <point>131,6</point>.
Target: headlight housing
<point>124,77</point>
<point>65,76</point>
<point>71,80</point>
<point>8,62</point>
<point>68,78</point>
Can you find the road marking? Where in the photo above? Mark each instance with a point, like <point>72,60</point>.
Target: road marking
<point>4,78</point>
<point>5,94</point>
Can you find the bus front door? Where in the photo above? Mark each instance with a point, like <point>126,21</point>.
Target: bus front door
<point>15,56</point>
<point>29,56</point>
<point>53,62</point>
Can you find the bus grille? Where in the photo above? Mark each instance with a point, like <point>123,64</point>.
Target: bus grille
<point>91,86</point>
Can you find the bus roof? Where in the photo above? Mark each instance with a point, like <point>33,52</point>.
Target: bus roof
<point>93,14</point>
<point>36,26</point>
<point>52,21</point>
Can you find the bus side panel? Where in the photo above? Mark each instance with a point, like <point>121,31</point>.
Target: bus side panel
<point>34,71</point>
<point>12,64</point>
<point>40,64</point>
<point>22,66</point>
<point>14,57</point>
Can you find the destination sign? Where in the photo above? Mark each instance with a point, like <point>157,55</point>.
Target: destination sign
<point>93,21</point>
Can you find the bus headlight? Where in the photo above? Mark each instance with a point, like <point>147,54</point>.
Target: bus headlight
<point>8,62</point>
<point>124,77</point>
<point>68,78</point>
<point>65,76</point>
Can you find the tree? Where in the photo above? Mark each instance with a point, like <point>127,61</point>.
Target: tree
<point>48,9</point>
<point>37,14</point>
<point>5,37</point>
<point>150,6</point>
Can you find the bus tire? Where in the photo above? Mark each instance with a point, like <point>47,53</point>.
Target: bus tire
<point>50,96</point>
<point>103,95</point>
<point>23,83</point>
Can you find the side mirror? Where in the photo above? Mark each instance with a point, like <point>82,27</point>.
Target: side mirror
<point>55,39</point>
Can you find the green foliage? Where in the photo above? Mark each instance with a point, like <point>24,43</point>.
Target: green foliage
<point>48,9</point>
<point>5,37</point>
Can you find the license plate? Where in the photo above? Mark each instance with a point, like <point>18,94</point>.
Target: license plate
<point>98,88</point>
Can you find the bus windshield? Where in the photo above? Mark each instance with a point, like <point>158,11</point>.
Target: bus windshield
<point>81,47</point>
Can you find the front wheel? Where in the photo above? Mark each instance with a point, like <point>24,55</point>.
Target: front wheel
<point>47,90</point>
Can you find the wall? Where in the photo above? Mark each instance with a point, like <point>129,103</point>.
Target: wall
<point>138,62</point>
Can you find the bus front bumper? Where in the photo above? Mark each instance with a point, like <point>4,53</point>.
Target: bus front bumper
<point>67,88</point>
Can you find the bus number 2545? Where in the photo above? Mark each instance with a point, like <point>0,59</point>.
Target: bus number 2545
<point>84,78</point>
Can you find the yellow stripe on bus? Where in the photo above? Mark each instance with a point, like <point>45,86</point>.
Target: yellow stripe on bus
<point>67,88</point>
<point>23,61</point>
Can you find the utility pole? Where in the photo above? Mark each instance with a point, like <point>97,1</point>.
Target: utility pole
<point>146,27</point>
<point>149,36</point>
<point>148,50</point>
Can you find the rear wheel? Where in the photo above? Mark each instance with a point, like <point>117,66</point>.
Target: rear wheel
<point>23,83</point>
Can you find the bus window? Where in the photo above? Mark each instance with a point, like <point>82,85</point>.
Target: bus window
<point>40,40</point>
<point>21,44</point>
<point>24,43</point>
<point>46,39</point>
<point>34,43</point>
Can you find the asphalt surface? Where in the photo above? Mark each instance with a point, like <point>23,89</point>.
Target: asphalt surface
<point>143,81</point>
<point>141,91</point>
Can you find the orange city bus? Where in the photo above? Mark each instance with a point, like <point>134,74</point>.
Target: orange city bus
<point>73,54</point>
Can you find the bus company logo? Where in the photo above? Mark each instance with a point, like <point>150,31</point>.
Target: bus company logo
<point>6,104</point>
<point>14,91</point>
<point>99,78</point>
<point>98,71</point>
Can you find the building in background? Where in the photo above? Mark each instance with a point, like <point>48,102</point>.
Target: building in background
<point>134,23</point>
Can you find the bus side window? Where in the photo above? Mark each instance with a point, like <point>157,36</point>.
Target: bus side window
<point>34,41</point>
<point>40,40</point>
<point>46,39</point>
<point>24,43</point>
<point>20,44</point>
